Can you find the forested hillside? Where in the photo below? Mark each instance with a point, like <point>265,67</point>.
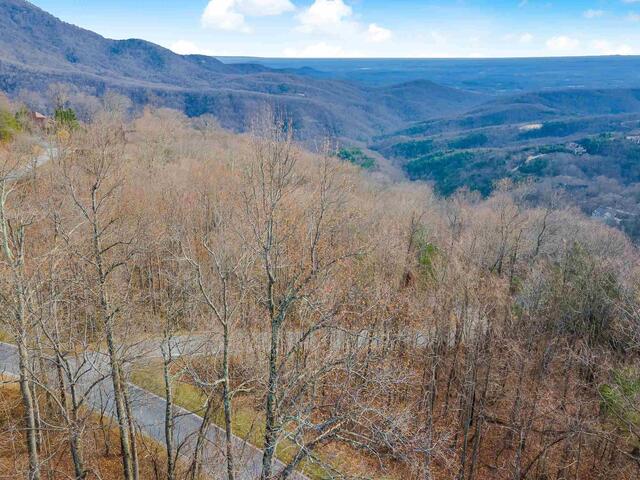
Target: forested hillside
<point>578,146</point>
<point>38,50</point>
<point>346,326</point>
<point>485,121</point>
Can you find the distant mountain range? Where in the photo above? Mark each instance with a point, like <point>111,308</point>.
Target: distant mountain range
<point>569,125</point>
<point>37,49</point>
<point>496,76</point>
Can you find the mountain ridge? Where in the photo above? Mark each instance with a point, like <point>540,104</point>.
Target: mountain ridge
<point>37,49</point>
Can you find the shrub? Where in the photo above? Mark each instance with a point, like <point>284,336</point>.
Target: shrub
<point>9,125</point>
<point>582,294</point>
<point>620,399</point>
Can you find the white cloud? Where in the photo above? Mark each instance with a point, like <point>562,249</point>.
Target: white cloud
<point>525,38</point>
<point>593,13</point>
<point>633,17</point>
<point>184,47</point>
<point>378,34</point>
<point>336,18</point>
<point>562,43</point>
<point>604,47</point>
<point>325,15</point>
<point>264,8</point>
<point>318,50</point>
<point>231,14</point>
<point>222,14</point>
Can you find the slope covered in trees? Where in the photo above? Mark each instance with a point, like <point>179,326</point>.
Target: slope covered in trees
<point>37,50</point>
<point>361,328</point>
<point>581,144</point>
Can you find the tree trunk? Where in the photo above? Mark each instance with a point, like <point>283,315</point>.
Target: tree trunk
<point>271,430</point>
<point>168,414</point>
<point>29,411</point>
<point>226,392</point>
<point>119,399</point>
<point>121,410</point>
<point>196,464</point>
<point>75,441</point>
<point>132,433</point>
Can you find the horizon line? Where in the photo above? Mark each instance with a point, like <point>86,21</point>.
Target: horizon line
<point>534,57</point>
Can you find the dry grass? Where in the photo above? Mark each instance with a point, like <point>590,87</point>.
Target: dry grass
<point>248,424</point>
<point>100,452</point>
<point>6,337</point>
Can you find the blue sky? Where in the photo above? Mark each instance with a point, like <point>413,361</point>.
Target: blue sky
<point>366,28</point>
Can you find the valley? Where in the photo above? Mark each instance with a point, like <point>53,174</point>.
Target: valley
<point>480,123</point>
<point>575,147</point>
<point>251,268</point>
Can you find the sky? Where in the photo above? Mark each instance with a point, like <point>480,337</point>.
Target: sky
<point>366,28</point>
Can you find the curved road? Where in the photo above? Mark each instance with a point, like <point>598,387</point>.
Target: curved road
<point>148,412</point>
<point>47,154</point>
<point>148,409</point>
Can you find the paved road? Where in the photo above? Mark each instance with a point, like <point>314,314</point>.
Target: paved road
<point>47,154</point>
<point>181,346</point>
<point>200,344</point>
<point>148,413</point>
<point>148,409</point>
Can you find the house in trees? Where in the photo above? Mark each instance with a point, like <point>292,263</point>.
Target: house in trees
<point>38,119</point>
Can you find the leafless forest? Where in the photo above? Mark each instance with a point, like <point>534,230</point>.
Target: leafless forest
<point>347,326</point>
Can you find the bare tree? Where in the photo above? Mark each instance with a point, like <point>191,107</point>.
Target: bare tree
<point>17,290</point>
<point>221,274</point>
<point>92,179</point>
<point>291,241</point>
